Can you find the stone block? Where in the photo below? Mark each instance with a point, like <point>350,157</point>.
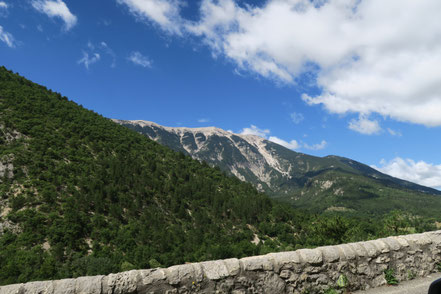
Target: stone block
<point>12,289</point>
<point>363,269</point>
<point>330,253</point>
<point>419,239</point>
<point>153,276</point>
<point>254,263</point>
<point>121,283</point>
<point>198,272</point>
<point>238,292</point>
<point>371,249</point>
<point>378,281</point>
<point>392,243</point>
<point>381,246</point>
<point>435,237</point>
<point>88,285</point>
<point>233,266</point>
<point>285,274</point>
<point>272,283</point>
<point>45,287</point>
<point>284,259</point>
<point>311,256</point>
<point>359,249</point>
<point>179,273</point>
<point>65,286</point>
<point>382,259</point>
<point>215,270</point>
<point>398,255</point>
<point>403,242</point>
<point>348,252</point>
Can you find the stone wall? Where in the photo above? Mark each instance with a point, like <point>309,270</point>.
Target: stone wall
<point>302,271</point>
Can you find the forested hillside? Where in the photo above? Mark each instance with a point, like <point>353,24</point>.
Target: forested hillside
<point>82,195</point>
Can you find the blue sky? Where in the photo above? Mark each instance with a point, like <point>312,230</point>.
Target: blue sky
<point>360,79</point>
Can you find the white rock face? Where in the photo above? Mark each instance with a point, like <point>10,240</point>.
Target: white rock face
<point>261,161</point>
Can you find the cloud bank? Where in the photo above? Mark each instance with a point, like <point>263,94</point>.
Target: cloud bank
<point>56,9</point>
<point>292,144</point>
<point>423,173</point>
<point>367,57</point>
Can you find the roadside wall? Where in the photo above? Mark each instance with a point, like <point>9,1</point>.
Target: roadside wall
<point>302,271</point>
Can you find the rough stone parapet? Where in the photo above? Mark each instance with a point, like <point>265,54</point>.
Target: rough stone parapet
<point>302,271</point>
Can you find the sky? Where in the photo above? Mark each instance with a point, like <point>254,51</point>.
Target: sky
<point>354,78</point>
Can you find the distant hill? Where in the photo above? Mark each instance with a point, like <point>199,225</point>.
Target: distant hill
<point>328,183</point>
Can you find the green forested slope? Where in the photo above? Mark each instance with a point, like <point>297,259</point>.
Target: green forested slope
<point>81,195</point>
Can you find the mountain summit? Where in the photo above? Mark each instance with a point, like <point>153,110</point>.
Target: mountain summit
<point>339,183</point>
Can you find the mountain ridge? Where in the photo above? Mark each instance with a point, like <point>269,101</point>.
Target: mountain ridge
<point>272,168</point>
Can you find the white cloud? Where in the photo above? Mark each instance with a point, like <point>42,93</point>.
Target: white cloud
<point>394,133</point>
<point>253,130</point>
<point>105,22</point>
<point>297,117</point>
<point>293,144</point>
<point>139,59</point>
<point>87,60</point>
<point>365,126</point>
<point>203,120</point>
<point>426,174</point>
<point>58,9</point>
<point>3,7</point>
<point>103,45</point>
<point>320,146</point>
<point>164,13</point>
<point>367,56</point>
<point>96,52</point>
<point>7,38</point>
<point>264,133</point>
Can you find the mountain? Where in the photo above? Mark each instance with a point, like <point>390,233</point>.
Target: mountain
<point>328,183</point>
<point>82,195</point>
